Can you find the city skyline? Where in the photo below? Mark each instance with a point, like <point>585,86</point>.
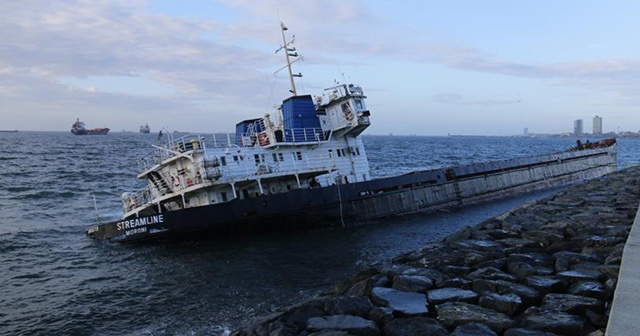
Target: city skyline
<point>427,67</point>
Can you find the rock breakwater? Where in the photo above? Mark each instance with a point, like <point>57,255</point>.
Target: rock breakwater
<point>547,268</point>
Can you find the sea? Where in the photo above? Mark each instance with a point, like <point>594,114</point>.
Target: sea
<point>54,280</point>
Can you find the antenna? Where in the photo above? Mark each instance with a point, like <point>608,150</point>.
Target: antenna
<point>289,52</point>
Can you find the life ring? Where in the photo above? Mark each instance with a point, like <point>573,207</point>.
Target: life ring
<point>263,139</point>
<point>189,182</point>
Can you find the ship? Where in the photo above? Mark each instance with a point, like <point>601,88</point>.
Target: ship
<point>304,166</point>
<point>145,129</point>
<point>79,128</point>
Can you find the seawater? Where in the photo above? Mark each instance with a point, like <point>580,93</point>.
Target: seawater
<point>56,281</point>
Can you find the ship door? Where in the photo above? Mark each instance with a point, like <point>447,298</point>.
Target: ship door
<point>335,119</point>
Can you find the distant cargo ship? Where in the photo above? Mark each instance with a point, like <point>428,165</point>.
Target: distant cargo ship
<point>145,129</point>
<point>78,128</point>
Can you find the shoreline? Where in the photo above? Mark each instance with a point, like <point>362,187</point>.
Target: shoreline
<point>550,266</point>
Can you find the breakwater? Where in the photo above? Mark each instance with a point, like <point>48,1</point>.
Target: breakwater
<point>550,267</point>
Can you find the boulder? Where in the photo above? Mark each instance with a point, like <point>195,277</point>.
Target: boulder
<point>545,284</point>
<point>454,314</point>
<point>508,303</point>
<point>351,324</point>
<point>473,329</point>
<point>572,304</point>
<point>416,326</point>
<point>527,332</point>
<point>577,275</point>
<point>442,295</point>
<point>593,289</point>
<point>412,283</point>
<point>528,295</point>
<point>402,303</point>
<point>342,305</point>
<point>552,321</point>
<point>491,273</point>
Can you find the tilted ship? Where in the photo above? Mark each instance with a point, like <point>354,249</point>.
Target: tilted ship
<point>305,167</point>
<point>79,128</point>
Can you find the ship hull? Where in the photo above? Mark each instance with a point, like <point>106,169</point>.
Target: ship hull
<point>364,202</point>
<point>95,131</point>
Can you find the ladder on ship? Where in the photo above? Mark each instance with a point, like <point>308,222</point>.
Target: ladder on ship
<point>159,182</point>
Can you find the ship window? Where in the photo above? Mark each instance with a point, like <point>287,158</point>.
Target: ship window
<point>280,157</point>
<point>299,155</point>
<point>256,157</point>
<point>245,193</point>
<point>331,153</point>
<point>223,195</point>
<point>275,157</point>
<point>339,153</point>
<point>358,104</point>
<point>223,160</point>
<point>357,150</point>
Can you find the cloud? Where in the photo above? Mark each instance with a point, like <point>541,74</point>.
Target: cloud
<point>457,99</point>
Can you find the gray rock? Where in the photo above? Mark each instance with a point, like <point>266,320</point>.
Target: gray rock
<point>412,283</point>
<point>456,282</point>
<point>416,326</point>
<point>543,237</point>
<point>520,269</point>
<point>494,263</point>
<point>491,273</point>
<point>381,315</point>
<point>473,329</point>
<point>328,333</point>
<point>593,289</point>
<point>442,295</point>
<point>457,270</point>
<point>298,316</point>
<point>351,324</point>
<point>572,304</point>
<point>363,288</point>
<point>454,314</point>
<point>527,332</point>
<point>574,276</point>
<point>552,321</point>
<point>478,245</point>
<point>528,295</point>
<point>545,284</point>
<point>404,303</point>
<point>507,304</point>
<point>341,305</point>
<point>519,243</point>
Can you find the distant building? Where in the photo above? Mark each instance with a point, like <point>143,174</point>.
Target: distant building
<point>597,125</point>
<point>577,127</point>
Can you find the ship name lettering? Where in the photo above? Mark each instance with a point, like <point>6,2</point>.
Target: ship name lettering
<point>139,222</point>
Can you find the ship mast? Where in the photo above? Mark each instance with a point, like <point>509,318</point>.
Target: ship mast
<point>289,52</point>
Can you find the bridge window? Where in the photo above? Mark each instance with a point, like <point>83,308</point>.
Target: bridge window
<point>358,104</point>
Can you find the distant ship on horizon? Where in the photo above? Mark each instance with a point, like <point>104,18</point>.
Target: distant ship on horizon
<point>145,129</point>
<point>78,128</point>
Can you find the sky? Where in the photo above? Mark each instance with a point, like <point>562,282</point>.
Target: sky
<point>492,67</point>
